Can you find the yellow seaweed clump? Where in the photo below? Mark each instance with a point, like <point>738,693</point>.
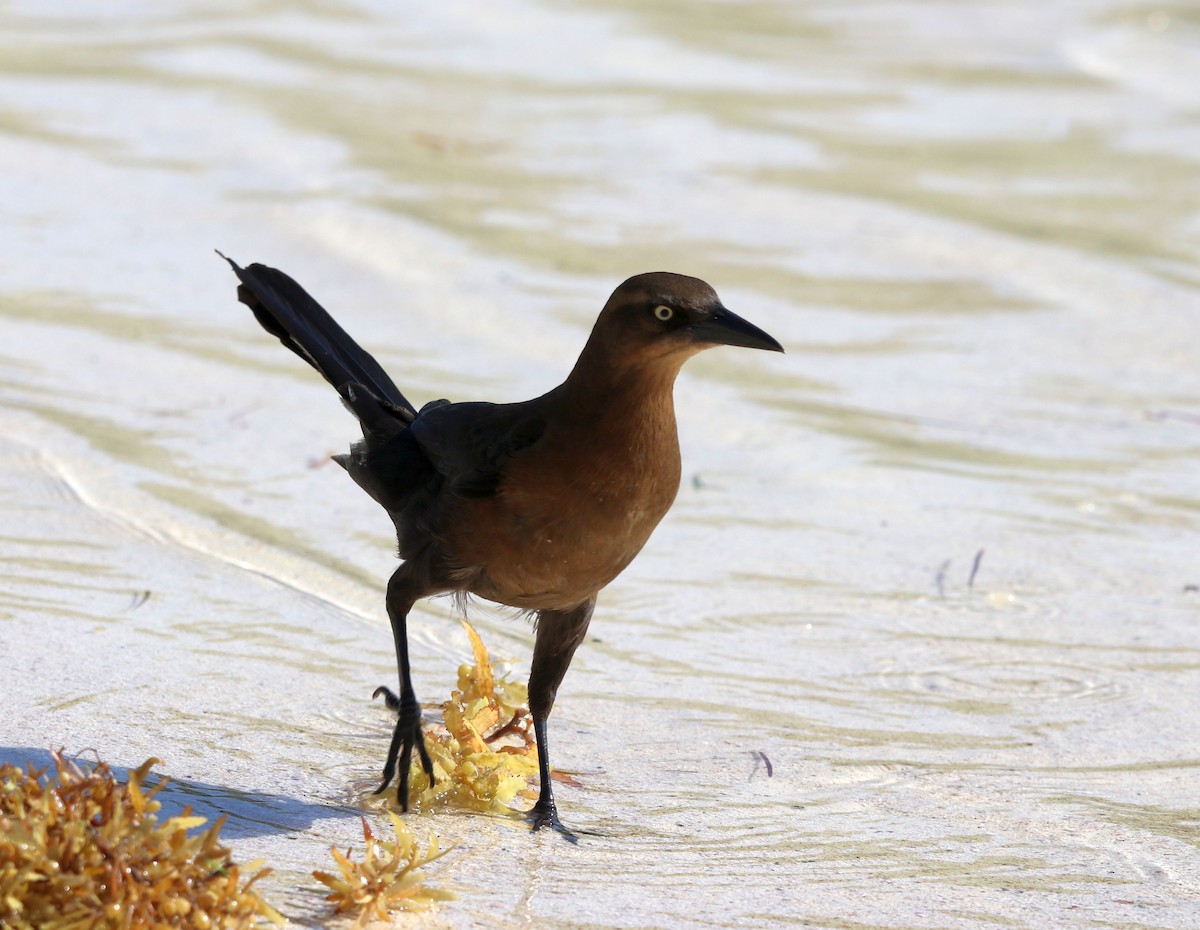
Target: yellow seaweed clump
<point>388,878</point>
<point>81,851</point>
<point>485,753</point>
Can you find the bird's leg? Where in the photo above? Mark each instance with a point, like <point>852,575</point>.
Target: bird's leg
<point>559,634</point>
<point>544,812</point>
<point>400,598</point>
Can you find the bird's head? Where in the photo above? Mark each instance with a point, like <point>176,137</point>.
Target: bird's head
<point>671,316</point>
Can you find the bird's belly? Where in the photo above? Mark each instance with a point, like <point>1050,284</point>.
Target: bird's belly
<point>557,558</point>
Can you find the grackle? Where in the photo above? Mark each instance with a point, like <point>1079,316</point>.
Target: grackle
<point>537,505</point>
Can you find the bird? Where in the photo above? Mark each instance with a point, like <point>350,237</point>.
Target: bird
<point>537,505</point>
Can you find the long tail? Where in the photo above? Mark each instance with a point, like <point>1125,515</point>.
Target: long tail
<point>287,311</point>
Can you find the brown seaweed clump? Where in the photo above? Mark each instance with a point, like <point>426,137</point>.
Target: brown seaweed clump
<point>81,851</point>
<point>388,878</point>
<point>485,753</point>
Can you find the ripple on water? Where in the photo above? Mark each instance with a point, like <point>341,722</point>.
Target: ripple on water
<point>1000,685</point>
<point>967,612</point>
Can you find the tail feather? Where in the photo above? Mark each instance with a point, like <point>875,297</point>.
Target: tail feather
<point>288,312</point>
<point>380,419</point>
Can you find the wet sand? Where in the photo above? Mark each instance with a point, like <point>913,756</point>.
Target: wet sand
<point>972,226</point>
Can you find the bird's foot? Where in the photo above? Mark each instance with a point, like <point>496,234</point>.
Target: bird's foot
<point>389,697</point>
<point>545,815</point>
<point>405,737</point>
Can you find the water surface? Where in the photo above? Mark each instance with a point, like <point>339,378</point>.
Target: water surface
<point>973,226</point>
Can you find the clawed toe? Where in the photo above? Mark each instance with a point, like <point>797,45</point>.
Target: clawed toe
<point>545,815</point>
<point>389,697</point>
<point>405,737</point>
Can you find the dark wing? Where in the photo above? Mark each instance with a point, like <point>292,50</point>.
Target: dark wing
<point>469,444</point>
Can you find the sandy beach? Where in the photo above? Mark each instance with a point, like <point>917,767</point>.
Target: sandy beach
<point>974,228</point>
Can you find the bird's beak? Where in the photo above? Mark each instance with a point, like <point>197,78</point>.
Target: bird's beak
<point>727,328</point>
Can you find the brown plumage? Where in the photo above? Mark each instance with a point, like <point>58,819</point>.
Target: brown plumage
<point>537,505</point>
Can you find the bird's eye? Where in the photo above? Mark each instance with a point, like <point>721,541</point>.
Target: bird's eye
<point>663,313</point>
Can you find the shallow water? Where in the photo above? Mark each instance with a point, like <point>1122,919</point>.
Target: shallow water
<point>973,226</point>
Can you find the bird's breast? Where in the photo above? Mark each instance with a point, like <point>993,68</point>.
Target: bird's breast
<point>571,513</point>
